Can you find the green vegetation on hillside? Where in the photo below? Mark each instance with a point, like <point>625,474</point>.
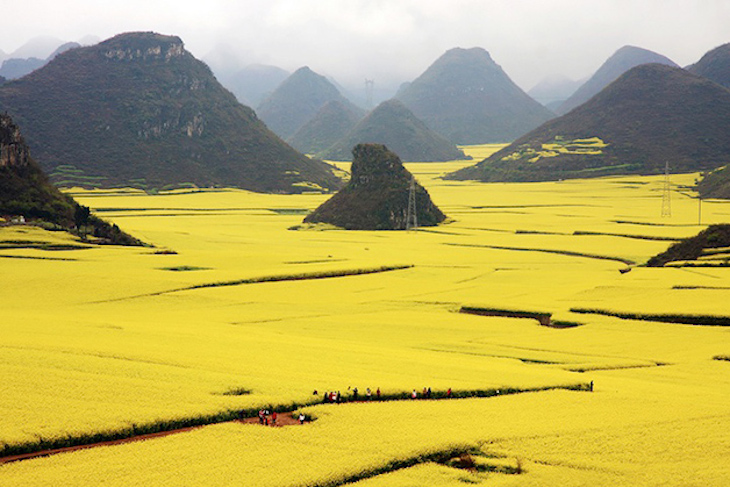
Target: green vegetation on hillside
<point>467,97</point>
<point>392,124</point>
<point>652,115</point>
<point>376,198</point>
<point>139,110</point>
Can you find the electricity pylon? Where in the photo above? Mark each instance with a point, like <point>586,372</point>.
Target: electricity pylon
<point>411,217</point>
<point>369,88</point>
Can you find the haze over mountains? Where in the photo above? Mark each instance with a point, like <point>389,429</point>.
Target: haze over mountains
<point>296,100</point>
<point>254,83</point>
<point>140,110</point>
<point>620,62</point>
<point>392,124</point>
<point>714,65</point>
<point>651,115</point>
<point>330,124</point>
<point>467,97</point>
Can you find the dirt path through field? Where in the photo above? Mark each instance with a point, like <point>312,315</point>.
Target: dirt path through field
<point>282,420</point>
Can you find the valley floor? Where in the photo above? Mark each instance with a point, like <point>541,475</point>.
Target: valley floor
<point>234,311</point>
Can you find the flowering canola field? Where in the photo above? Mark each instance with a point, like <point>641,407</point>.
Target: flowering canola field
<point>106,340</point>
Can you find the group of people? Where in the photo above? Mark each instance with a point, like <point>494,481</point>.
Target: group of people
<point>335,397</point>
<point>427,394</point>
<point>267,418</point>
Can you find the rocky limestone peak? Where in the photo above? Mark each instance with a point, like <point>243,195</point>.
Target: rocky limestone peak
<point>377,196</point>
<point>13,150</point>
<point>145,46</point>
<point>372,162</point>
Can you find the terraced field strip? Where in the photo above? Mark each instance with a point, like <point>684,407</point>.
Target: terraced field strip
<point>307,276</point>
<point>684,319</point>
<point>42,448</point>
<point>569,253</point>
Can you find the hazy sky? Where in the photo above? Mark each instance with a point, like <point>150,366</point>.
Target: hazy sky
<point>391,40</point>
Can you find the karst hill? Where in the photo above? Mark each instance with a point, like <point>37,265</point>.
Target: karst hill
<point>26,192</point>
<point>139,110</point>
<point>652,115</point>
<point>376,198</point>
<point>621,61</point>
<point>467,97</point>
<point>714,65</point>
<point>392,124</point>
<point>296,100</point>
<point>332,122</point>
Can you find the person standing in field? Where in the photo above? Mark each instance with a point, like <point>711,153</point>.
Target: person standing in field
<point>414,394</point>
<point>368,393</point>
<point>428,393</point>
<point>448,393</point>
<point>273,418</point>
<point>301,418</point>
<point>354,394</point>
<point>377,394</point>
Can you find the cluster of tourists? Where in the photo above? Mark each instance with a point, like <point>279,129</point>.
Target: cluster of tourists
<point>335,397</point>
<point>267,418</point>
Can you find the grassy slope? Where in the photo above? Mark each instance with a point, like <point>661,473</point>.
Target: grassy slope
<point>651,115</point>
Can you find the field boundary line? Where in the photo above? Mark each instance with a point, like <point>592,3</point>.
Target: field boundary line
<point>305,276</point>
<point>46,447</point>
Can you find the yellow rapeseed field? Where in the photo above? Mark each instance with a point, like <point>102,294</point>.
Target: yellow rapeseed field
<point>209,323</point>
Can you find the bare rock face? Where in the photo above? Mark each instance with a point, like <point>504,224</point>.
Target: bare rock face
<point>13,150</point>
<point>377,196</point>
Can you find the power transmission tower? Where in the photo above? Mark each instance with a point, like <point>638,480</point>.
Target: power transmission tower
<point>369,87</point>
<point>667,195</point>
<point>411,218</point>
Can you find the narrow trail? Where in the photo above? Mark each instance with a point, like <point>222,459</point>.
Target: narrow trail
<point>284,419</point>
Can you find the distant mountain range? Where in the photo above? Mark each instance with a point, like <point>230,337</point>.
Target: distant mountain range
<point>13,68</point>
<point>139,110</point>
<point>254,83</point>
<point>552,91</point>
<point>329,125</point>
<point>652,115</point>
<point>391,123</point>
<point>467,97</point>
<point>621,61</point>
<point>297,100</point>
<point>714,65</point>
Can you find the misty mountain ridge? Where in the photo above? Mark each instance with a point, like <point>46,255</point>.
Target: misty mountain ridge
<point>16,67</point>
<point>330,124</point>
<point>296,100</point>
<point>139,110</point>
<point>467,97</point>
<point>651,115</point>
<point>620,62</point>
<point>714,65</point>
<point>392,124</point>
<point>254,83</point>
<point>553,90</point>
